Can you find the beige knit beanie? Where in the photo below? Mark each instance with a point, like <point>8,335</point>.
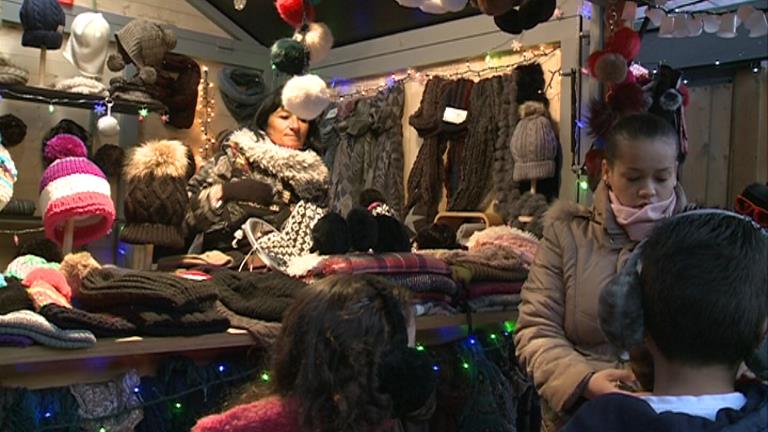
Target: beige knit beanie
<point>534,144</point>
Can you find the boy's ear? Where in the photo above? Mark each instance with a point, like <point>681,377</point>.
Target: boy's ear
<point>605,169</point>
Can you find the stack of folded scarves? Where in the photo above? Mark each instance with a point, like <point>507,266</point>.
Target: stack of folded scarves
<point>429,279</point>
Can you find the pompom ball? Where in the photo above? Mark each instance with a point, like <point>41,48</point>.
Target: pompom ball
<point>611,68</point>
<point>108,126</point>
<point>625,42</point>
<point>289,56</point>
<point>306,96</point>
<point>318,39</point>
<point>292,12</point>
<point>63,146</point>
<point>363,229</point>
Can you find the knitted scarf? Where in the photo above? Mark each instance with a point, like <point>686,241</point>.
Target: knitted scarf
<point>242,91</point>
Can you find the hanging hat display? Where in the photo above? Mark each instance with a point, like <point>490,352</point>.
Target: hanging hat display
<point>88,43</point>
<point>293,11</point>
<point>534,144</point>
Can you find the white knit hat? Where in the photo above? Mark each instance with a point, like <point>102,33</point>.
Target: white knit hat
<point>8,176</point>
<point>88,42</point>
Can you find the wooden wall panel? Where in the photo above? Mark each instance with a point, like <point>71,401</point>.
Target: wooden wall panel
<point>749,142</point>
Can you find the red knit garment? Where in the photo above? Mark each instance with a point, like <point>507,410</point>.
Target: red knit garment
<point>267,415</point>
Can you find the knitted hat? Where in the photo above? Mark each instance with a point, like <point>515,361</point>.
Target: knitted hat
<point>88,42</point>
<point>64,126</point>
<point>35,326</point>
<point>12,130</point>
<point>74,187</point>
<point>534,145</point>
<point>43,22</point>
<point>21,266</point>
<point>19,207</point>
<point>145,43</point>
<point>155,323</point>
<point>8,176</point>
<point>101,325</point>
<point>109,158</point>
<point>156,194</point>
<point>11,73</point>
<point>260,296</point>
<point>102,290</point>
<point>14,297</point>
<point>75,266</point>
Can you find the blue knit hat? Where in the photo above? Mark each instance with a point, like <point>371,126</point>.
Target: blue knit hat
<point>43,22</point>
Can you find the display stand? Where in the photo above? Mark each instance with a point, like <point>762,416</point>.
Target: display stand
<point>141,258</point>
<point>457,219</point>
<point>69,231</point>
<point>528,218</point>
<point>41,67</point>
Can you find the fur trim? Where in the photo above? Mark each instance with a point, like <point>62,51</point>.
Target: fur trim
<point>160,157</point>
<point>564,211</point>
<point>75,267</point>
<point>302,265</point>
<point>611,68</point>
<point>305,171</point>
<point>318,40</point>
<point>531,108</point>
<point>306,96</point>
<point>493,232</point>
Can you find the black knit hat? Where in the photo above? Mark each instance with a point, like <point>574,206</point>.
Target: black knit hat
<point>14,297</point>
<point>12,130</point>
<point>156,195</point>
<point>260,296</point>
<point>530,84</point>
<point>99,324</point>
<point>43,22</point>
<point>103,290</point>
<point>154,323</point>
<point>110,158</point>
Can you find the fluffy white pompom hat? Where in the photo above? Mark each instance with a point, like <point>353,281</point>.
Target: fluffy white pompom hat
<point>318,39</point>
<point>306,96</point>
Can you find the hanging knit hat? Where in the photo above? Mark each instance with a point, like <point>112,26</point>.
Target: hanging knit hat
<point>242,91</point>
<point>156,195</point>
<point>35,326</point>
<point>145,44</point>
<point>11,73</point>
<point>8,176</point>
<point>534,144</point>
<point>88,43</point>
<point>43,22</point>
<point>74,187</point>
<point>12,130</point>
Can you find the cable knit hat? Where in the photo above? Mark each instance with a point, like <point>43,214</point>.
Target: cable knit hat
<point>8,176</point>
<point>74,187</point>
<point>12,130</point>
<point>11,73</point>
<point>43,22</point>
<point>156,195</point>
<point>534,145</point>
<point>88,42</point>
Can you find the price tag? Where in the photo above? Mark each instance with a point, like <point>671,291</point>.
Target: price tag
<point>454,115</point>
<point>332,113</point>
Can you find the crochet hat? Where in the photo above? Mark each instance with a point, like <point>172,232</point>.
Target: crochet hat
<point>534,145</point>
<point>35,326</point>
<point>8,176</point>
<point>74,187</point>
<point>88,42</point>
<point>43,22</point>
<point>156,194</point>
<point>12,130</point>
<point>12,74</point>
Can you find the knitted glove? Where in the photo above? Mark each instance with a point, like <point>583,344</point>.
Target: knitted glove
<point>247,190</point>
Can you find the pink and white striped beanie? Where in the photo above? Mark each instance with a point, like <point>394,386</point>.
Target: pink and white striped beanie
<point>74,187</point>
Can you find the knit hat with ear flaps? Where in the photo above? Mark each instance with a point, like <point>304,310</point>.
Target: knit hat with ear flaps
<point>73,187</point>
<point>534,144</point>
<point>156,195</point>
<point>43,22</point>
<point>12,130</point>
<point>8,176</point>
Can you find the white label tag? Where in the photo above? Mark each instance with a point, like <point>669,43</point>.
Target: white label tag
<point>454,115</point>
<point>332,113</point>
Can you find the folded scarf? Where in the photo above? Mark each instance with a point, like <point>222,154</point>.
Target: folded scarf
<point>495,302</point>
<point>484,289</point>
<point>424,282</point>
<point>242,91</point>
<point>386,263</point>
<point>261,296</point>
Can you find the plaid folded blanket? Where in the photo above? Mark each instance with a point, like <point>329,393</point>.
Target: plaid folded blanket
<point>425,282</point>
<point>387,263</point>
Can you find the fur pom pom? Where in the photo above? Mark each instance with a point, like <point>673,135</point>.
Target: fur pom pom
<point>363,229</point>
<point>601,117</point>
<point>115,62</point>
<point>108,126</point>
<point>530,109</point>
<point>330,235</point>
<point>318,39</point>
<point>625,42</point>
<point>292,12</point>
<point>592,62</point>
<point>62,146</point>
<point>434,7</point>
<point>148,75</point>
<point>670,100</point>
<point>611,68</point>
<point>410,3</point>
<point>306,96</point>
<point>289,56</point>
<point>160,157</point>
<point>75,267</point>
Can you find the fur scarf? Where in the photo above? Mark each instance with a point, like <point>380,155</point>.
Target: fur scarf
<point>304,171</point>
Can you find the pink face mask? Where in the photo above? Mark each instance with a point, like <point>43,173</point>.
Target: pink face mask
<point>638,223</point>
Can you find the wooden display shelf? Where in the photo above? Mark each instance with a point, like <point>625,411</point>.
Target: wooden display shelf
<point>430,330</point>
<point>75,100</point>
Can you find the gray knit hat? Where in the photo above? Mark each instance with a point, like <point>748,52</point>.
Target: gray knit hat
<point>11,73</point>
<point>534,144</point>
<point>145,42</point>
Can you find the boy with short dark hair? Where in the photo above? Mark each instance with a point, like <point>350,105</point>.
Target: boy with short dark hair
<point>704,289</point>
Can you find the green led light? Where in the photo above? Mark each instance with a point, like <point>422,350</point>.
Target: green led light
<point>420,347</point>
<point>265,377</point>
<point>509,326</point>
<point>51,108</point>
<point>177,405</point>
<point>465,365</point>
<point>584,185</point>
<point>493,336</point>
<point>102,429</point>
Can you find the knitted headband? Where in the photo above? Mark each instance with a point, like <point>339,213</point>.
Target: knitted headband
<point>620,309</point>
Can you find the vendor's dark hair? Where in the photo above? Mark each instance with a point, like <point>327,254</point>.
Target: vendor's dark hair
<point>635,127</point>
<point>329,351</point>
<point>271,103</point>
<point>704,281</point>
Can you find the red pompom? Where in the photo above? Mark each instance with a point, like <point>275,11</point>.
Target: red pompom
<point>627,98</point>
<point>592,61</point>
<point>292,12</point>
<point>685,94</point>
<point>625,42</point>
